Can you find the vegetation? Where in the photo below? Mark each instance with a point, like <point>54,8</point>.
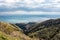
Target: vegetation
<point>4,36</point>
<point>47,30</point>
<point>11,32</point>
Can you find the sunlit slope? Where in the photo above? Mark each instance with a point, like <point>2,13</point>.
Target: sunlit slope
<point>11,32</point>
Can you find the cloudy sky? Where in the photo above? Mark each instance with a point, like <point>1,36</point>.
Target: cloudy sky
<point>29,7</point>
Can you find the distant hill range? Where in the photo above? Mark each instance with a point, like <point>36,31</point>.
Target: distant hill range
<point>46,30</point>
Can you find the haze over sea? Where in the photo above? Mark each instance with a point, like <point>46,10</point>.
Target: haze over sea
<point>26,18</point>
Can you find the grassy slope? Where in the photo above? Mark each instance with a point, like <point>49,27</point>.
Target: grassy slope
<point>10,32</point>
<point>4,36</point>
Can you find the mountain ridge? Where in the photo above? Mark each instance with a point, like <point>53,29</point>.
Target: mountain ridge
<point>46,30</point>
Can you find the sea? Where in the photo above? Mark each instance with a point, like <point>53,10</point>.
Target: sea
<point>26,18</point>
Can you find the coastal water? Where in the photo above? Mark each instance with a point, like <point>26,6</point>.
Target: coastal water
<point>26,18</point>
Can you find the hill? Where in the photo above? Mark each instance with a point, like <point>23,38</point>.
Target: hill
<point>47,30</point>
<point>11,32</point>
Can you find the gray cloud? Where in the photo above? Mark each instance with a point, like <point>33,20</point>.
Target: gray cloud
<point>30,5</point>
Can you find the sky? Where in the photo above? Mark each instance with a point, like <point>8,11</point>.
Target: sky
<point>51,7</point>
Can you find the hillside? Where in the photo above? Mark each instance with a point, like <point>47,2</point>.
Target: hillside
<point>26,26</point>
<point>47,30</point>
<point>11,32</point>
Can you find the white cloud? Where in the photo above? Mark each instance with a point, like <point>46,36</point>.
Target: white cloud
<point>55,1</point>
<point>32,13</point>
<point>54,4</point>
<point>29,3</point>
